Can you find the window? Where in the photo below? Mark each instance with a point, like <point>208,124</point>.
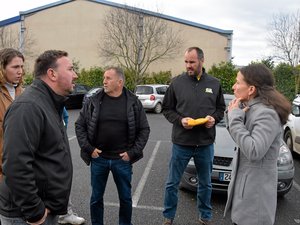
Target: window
<point>295,110</point>
<point>144,90</point>
<point>161,90</point>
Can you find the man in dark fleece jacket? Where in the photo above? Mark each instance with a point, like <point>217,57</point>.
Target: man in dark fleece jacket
<point>192,95</point>
<point>112,131</point>
<point>37,165</point>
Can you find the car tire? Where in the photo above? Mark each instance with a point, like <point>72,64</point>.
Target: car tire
<point>158,108</point>
<point>288,139</point>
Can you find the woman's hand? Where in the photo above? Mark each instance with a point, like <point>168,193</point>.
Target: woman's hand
<point>235,104</point>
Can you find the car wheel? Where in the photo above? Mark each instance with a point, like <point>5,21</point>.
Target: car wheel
<point>158,108</point>
<point>288,139</point>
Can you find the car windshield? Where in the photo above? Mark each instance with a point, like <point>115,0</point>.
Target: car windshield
<point>144,90</point>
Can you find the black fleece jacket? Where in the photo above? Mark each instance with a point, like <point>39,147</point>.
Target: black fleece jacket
<point>189,97</point>
<point>37,164</point>
<point>138,127</point>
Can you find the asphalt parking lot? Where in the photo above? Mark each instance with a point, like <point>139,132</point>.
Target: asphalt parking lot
<point>149,175</point>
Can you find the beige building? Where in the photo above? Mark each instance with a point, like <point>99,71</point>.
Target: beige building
<point>77,25</point>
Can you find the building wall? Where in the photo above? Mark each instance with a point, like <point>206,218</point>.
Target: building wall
<point>78,25</point>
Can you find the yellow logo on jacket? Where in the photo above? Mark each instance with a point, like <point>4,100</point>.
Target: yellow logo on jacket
<point>208,90</point>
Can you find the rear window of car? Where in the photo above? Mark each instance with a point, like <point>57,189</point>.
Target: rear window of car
<point>161,90</point>
<point>144,90</point>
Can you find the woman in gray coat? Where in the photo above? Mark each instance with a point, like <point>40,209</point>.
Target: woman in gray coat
<point>254,119</point>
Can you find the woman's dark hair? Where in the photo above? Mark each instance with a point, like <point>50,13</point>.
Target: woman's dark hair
<point>47,60</point>
<point>262,78</point>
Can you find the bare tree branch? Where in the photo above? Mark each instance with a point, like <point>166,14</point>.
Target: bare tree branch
<point>285,38</point>
<point>11,39</point>
<point>135,40</point>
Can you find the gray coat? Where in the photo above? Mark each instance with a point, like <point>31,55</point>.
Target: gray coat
<point>252,192</point>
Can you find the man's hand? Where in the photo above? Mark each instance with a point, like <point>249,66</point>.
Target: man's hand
<point>96,153</point>
<point>124,156</point>
<point>211,122</point>
<point>184,122</point>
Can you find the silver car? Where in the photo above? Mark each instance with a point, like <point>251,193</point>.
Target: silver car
<point>222,164</point>
<point>151,96</point>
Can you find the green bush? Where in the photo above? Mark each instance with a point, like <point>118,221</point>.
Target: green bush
<point>27,79</point>
<point>226,73</point>
<point>92,77</point>
<point>285,80</point>
<point>162,77</point>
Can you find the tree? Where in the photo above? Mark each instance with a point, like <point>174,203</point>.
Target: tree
<point>135,39</point>
<point>226,73</point>
<point>283,74</point>
<point>7,38</point>
<point>11,39</point>
<point>285,38</point>
<point>268,62</point>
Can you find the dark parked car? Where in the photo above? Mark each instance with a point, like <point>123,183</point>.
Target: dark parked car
<point>222,164</point>
<point>90,93</point>
<point>75,98</point>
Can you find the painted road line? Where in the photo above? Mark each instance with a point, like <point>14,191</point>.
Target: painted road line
<point>140,187</point>
<point>112,204</point>
<point>71,138</point>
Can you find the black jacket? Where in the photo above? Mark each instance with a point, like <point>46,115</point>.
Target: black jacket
<point>138,127</point>
<point>189,97</point>
<point>37,165</point>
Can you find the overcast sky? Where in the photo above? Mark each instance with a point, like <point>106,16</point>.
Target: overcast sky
<point>249,20</point>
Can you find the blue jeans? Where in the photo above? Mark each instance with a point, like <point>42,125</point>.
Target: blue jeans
<point>203,158</point>
<point>50,220</point>
<point>122,174</point>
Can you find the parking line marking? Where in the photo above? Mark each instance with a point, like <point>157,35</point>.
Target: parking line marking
<point>112,204</point>
<point>71,138</point>
<point>296,185</point>
<point>140,187</point>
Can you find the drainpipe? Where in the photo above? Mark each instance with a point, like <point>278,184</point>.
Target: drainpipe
<point>228,48</point>
<point>22,34</point>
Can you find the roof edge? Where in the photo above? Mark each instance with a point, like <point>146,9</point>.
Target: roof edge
<point>171,18</point>
<point>118,5</point>
<point>9,21</point>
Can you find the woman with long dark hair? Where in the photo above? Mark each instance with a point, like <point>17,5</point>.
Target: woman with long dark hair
<point>254,120</point>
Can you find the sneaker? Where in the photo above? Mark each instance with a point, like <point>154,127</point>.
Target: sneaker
<point>71,219</point>
<point>167,221</point>
<point>205,222</point>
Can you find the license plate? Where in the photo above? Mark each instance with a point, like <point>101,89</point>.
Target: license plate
<point>224,176</point>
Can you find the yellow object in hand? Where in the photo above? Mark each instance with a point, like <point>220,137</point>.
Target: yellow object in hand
<point>192,122</point>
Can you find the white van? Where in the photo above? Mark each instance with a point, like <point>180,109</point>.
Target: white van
<point>292,127</point>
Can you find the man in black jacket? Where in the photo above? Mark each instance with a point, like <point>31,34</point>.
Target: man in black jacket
<point>37,166</point>
<point>192,95</point>
<point>112,131</point>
